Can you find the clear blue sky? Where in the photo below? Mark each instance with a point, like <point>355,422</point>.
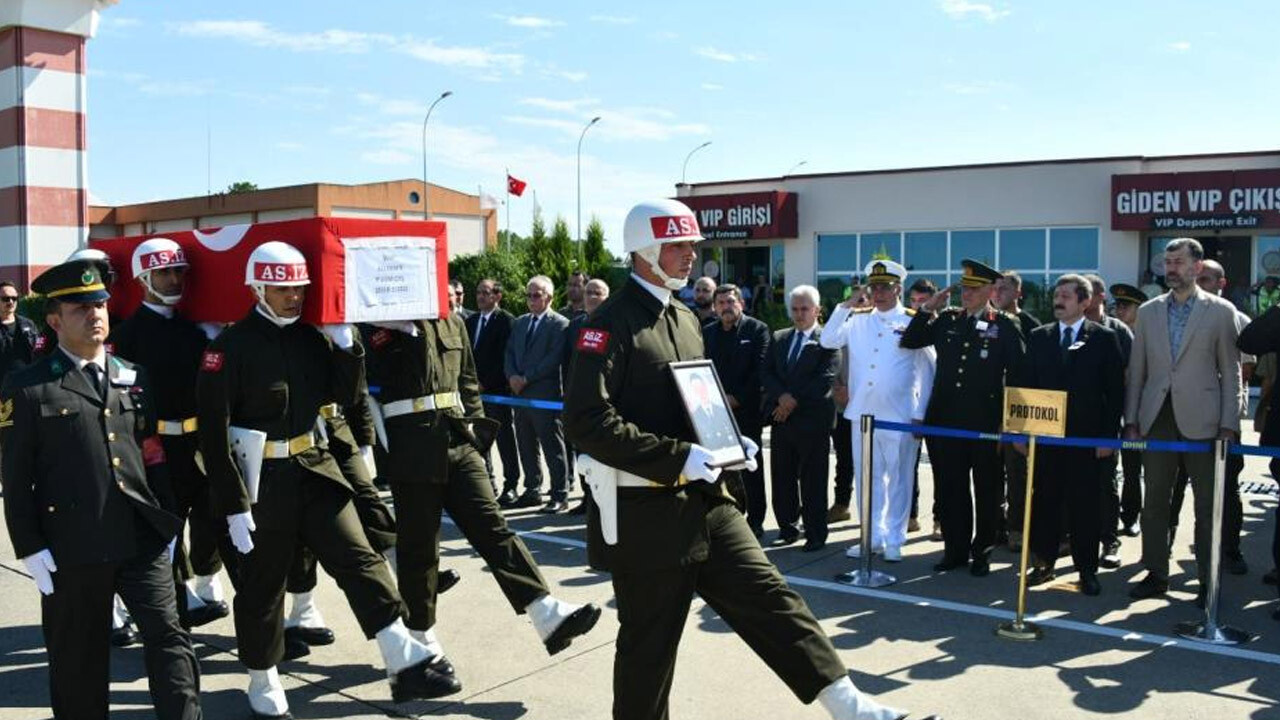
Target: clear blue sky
<point>297,92</point>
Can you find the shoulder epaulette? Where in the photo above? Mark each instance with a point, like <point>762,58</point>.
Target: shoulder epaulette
<point>911,312</point>
<point>863,309</point>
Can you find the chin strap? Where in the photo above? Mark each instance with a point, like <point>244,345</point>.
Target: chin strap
<point>166,299</point>
<point>650,255</point>
<point>265,310</point>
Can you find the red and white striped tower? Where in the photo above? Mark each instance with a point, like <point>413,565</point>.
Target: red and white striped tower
<point>43,165</point>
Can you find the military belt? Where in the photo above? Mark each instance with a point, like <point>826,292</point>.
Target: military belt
<point>438,401</point>
<point>626,479</point>
<point>280,449</point>
<point>176,427</point>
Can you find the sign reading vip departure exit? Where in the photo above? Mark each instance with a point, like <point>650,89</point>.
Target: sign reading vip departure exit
<point>1189,201</point>
<point>1035,412</point>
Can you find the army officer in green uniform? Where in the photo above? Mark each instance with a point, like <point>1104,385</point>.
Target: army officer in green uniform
<point>979,347</point>
<point>678,530</point>
<point>271,374</point>
<point>89,507</point>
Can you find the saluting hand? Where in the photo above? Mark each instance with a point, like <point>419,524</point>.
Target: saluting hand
<point>939,300</point>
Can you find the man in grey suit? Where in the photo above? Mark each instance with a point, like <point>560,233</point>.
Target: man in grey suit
<point>534,355</point>
<point>1183,384</point>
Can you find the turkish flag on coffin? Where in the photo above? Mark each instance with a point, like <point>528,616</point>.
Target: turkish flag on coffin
<point>360,270</point>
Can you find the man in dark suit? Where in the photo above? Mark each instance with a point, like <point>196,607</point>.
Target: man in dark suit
<point>456,295</point>
<point>88,504</point>
<point>1082,358</point>
<point>797,376</point>
<point>489,330</point>
<point>737,344</point>
<point>534,356</point>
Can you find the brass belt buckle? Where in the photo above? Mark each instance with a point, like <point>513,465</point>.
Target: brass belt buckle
<point>189,425</point>
<point>443,400</point>
<point>300,443</point>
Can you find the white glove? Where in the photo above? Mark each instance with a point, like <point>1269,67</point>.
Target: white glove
<point>405,326</point>
<point>211,329</point>
<point>696,468</point>
<point>241,526</point>
<point>342,334</point>
<point>42,568</point>
<point>366,454</point>
<point>751,449</point>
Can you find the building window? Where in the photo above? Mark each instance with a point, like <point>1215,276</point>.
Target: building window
<point>1039,255</point>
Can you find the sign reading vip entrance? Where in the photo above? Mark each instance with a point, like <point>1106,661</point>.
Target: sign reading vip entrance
<point>745,216</point>
<point>1219,200</point>
<point>1035,412</point>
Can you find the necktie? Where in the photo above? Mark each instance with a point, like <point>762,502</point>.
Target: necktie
<point>795,349</point>
<point>95,377</point>
<point>528,338</point>
<point>479,329</point>
<point>1066,341</point>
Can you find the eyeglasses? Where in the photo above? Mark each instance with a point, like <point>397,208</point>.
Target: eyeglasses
<point>9,298</point>
<point>536,294</point>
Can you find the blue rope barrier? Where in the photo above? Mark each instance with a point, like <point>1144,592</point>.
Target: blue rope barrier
<point>1114,443</point>
<point>1254,450</point>
<point>523,402</point>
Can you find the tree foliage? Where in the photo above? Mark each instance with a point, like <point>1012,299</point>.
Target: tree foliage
<point>556,255</point>
<point>241,186</point>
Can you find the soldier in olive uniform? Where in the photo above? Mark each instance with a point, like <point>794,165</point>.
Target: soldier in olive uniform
<point>436,434</point>
<point>271,374</point>
<point>978,348</point>
<point>89,507</point>
<point>160,339</point>
<point>679,532</point>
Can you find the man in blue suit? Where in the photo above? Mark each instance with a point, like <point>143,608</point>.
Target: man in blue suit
<point>534,355</point>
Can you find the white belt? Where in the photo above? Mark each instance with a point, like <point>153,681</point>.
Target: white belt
<point>626,479</point>
<point>176,427</point>
<point>280,449</point>
<point>439,401</point>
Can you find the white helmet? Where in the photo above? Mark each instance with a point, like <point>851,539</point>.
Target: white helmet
<point>157,253</point>
<point>652,224</point>
<point>276,263</point>
<point>154,254</point>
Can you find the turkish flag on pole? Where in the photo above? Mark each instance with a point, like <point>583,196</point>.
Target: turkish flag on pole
<point>515,186</point>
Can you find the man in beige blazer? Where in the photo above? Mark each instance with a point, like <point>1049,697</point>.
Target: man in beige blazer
<point>1183,384</point>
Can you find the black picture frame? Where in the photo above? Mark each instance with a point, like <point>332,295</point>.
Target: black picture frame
<point>707,410</point>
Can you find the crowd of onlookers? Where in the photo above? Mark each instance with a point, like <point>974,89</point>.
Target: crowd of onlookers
<point>1175,363</point>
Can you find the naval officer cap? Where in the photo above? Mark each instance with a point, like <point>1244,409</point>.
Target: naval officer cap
<point>884,271</point>
<point>977,274</point>
<point>1128,293</point>
<point>74,281</point>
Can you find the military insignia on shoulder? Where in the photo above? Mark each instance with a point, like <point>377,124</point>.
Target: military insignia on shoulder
<point>211,361</point>
<point>592,340</point>
<point>6,413</point>
<point>379,338</point>
<point>41,342</point>
<point>57,367</point>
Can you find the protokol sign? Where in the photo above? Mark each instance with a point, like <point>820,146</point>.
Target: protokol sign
<point>1035,412</point>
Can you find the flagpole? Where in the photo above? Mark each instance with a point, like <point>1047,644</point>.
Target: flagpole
<point>508,207</point>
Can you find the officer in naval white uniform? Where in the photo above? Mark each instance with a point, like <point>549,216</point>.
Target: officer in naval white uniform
<point>890,383</point>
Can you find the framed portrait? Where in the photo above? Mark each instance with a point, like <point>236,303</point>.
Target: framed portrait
<point>708,411</point>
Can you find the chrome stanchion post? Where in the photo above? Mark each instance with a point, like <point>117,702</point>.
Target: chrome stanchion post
<point>1020,629</point>
<point>864,576</point>
<point>1208,630</point>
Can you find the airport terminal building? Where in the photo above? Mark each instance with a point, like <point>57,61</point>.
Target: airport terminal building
<point>1041,218</point>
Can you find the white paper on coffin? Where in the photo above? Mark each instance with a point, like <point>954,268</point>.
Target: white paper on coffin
<point>390,278</point>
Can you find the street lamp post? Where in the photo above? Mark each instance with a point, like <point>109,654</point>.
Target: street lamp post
<point>796,167</point>
<point>685,167</point>
<point>594,120</point>
<point>426,209</point>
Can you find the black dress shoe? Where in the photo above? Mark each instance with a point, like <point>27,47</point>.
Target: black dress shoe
<point>310,636</point>
<point>1150,586</point>
<point>555,507</point>
<point>529,498</point>
<point>578,623</point>
<point>813,545</point>
<point>124,636</point>
<point>422,682</point>
<point>1040,575</point>
<point>294,648</point>
<point>1133,529</point>
<point>950,564</point>
<point>785,539</point>
<point>205,614</point>
<point>980,567</point>
<point>1110,556</point>
<point>441,664</point>
<point>446,579</point>
<point>1090,586</point>
<point>507,498</point>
